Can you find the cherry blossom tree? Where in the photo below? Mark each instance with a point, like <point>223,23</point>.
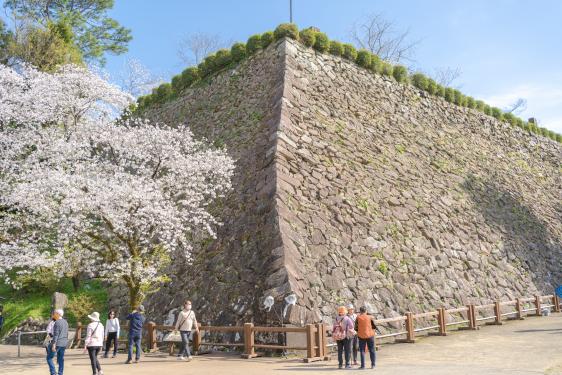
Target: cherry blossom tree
<point>124,195</point>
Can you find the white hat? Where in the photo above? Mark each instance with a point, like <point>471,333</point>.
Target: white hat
<point>60,312</point>
<point>350,306</point>
<point>95,316</point>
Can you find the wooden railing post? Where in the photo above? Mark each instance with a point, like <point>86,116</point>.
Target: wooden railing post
<point>248,341</point>
<point>151,337</point>
<point>310,341</point>
<point>318,340</point>
<point>78,335</point>
<point>197,339</point>
<point>538,305</point>
<point>410,333</point>
<point>325,343</point>
<point>556,303</point>
<point>498,313</point>
<point>472,323</point>
<point>519,309</point>
<point>441,318</point>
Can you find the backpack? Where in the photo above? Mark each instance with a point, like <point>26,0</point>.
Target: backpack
<point>338,332</point>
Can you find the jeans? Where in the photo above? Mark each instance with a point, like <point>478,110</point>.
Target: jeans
<point>111,336</point>
<point>93,352</point>
<point>135,339</point>
<point>354,346</point>
<point>184,350</point>
<point>59,351</point>
<point>370,342</point>
<point>344,346</point>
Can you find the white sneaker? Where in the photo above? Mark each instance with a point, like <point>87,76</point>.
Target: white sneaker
<point>181,358</point>
<point>189,358</point>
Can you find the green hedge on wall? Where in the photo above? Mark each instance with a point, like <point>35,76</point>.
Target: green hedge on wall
<point>312,37</point>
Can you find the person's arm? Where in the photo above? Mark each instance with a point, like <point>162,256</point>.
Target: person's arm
<point>373,325</point>
<point>195,322</point>
<point>107,322</point>
<point>56,334</point>
<point>356,325</point>
<point>118,327</point>
<point>176,327</point>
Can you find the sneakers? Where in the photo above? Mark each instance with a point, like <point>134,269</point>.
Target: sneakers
<point>181,358</point>
<point>347,366</point>
<point>189,358</point>
<point>372,366</point>
<point>128,362</point>
<point>137,360</point>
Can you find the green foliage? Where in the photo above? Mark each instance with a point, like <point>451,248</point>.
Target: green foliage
<point>266,39</point>
<point>207,66</point>
<point>177,83</point>
<point>400,73</point>
<point>470,102</point>
<point>420,81</point>
<point>450,95</point>
<point>376,64</point>
<point>163,92</point>
<point>286,30</point>
<point>480,105</point>
<point>336,48</point>
<point>189,75</point>
<point>431,86</point>
<point>238,52</point>
<point>387,69</point>
<point>308,37</point>
<point>497,113</point>
<point>94,33</point>
<point>80,306</point>
<point>510,117</point>
<point>383,268</point>
<point>253,44</point>
<point>363,58</point>
<point>322,43</point>
<point>222,59</point>
<point>440,90</point>
<point>459,98</point>
<point>349,52</point>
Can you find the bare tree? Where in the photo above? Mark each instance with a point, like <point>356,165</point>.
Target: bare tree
<point>378,35</point>
<point>446,76</point>
<point>194,47</point>
<point>137,79</point>
<point>516,107</point>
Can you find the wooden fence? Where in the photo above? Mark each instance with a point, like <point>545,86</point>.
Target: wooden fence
<point>436,322</point>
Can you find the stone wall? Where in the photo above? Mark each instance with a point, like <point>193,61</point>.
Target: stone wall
<point>351,187</point>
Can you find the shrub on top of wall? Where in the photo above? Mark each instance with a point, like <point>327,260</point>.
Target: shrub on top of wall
<point>189,76</point>
<point>470,102</point>
<point>238,52</point>
<point>164,92</point>
<point>376,63</point>
<point>459,98</point>
<point>308,37</point>
<point>449,95</point>
<point>480,105</point>
<point>349,52</point>
<point>289,30</point>
<point>431,86</point>
<point>440,90</point>
<point>222,59</point>
<point>266,39</point>
<point>336,48</point>
<point>420,81</point>
<point>322,43</point>
<point>400,73</point>
<point>253,44</point>
<point>363,58</point>
<point>497,113</point>
<point>387,69</point>
<point>207,66</point>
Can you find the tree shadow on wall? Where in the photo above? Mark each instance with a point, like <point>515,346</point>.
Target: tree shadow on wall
<point>525,236</point>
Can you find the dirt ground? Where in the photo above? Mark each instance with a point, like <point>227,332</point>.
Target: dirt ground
<point>531,346</point>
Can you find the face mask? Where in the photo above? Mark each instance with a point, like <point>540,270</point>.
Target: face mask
<point>187,307</point>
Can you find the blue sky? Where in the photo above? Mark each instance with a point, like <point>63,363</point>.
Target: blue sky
<point>506,49</point>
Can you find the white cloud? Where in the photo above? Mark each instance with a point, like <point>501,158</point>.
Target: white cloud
<point>543,102</point>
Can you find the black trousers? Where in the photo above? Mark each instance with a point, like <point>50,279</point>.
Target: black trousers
<point>93,352</point>
<point>111,336</point>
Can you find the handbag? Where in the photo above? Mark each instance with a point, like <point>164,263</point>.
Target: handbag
<point>175,336</point>
<point>47,341</point>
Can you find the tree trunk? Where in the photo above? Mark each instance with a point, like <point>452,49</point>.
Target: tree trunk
<point>76,282</point>
<point>135,296</point>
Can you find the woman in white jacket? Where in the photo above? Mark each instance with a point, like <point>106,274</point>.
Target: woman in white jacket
<point>94,341</point>
<point>111,333</point>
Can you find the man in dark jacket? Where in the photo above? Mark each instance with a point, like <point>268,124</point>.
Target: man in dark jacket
<point>136,321</point>
<point>58,343</point>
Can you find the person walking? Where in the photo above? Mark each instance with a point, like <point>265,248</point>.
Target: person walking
<point>185,323</point>
<point>341,332</point>
<point>136,321</point>
<point>58,343</point>
<point>365,327</point>
<point>94,341</point>
<point>354,341</point>
<point>112,330</point>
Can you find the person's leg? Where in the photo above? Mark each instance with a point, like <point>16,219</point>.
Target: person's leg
<point>187,337</point>
<point>362,344</point>
<point>60,359</point>
<point>92,360</point>
<point>355,343</point>
<point>107,344</point>
<point>138,347</point>
<point>347,351</point>
<point>372,353</point>
<point>97,350</point>
<point>130,351</point>
<point>340,352</point>
<point>50,356</point>
<point>115,344</point>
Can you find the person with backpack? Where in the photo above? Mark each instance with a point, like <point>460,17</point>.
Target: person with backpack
<point>365,327</point>
<point>185,322</point>
<point>342,333</point>
<point>94,341</point>
<point>136,321</point>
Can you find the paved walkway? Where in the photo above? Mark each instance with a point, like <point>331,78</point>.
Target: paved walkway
<point>531,346</point>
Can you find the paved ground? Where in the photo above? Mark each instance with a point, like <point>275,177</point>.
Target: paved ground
<point>532,346</point>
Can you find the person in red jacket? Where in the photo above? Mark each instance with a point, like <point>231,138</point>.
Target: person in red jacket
<point>365,327</point>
